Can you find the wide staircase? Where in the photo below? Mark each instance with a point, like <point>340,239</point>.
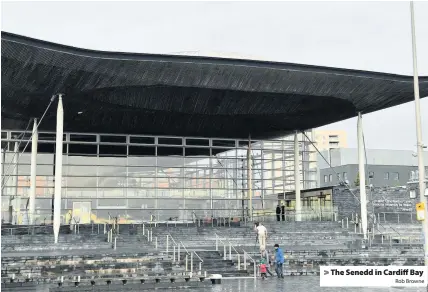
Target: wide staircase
<point>188,253</point>
<point>86,256</point>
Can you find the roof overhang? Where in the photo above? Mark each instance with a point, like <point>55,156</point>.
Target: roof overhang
<point>184,95</point>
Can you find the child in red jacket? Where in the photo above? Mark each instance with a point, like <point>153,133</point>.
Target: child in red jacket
<point>263,269</point>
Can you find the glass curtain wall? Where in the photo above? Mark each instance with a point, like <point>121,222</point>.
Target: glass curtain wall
<point>149,177</point>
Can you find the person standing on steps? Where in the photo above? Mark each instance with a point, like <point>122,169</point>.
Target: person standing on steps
<point>279,261</point>
<point>262,234</point>
<point>278,213</point>
<point>283,212</point>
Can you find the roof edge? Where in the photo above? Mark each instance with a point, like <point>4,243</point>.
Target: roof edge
<point>7,36</point>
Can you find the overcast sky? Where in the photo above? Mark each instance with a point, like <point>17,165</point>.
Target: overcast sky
<point>357,35</point>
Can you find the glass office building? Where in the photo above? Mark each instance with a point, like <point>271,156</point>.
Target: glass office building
<point>141,178</point>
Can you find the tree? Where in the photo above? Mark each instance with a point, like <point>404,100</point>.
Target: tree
<point>357,181</point>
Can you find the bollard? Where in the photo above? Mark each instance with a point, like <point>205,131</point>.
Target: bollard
<point>115,242</point>
<point>13,278</point>
<point>378,217</point>
<point>167,244</point>
<point>245,260</point>
<point>186,263</point>
<point>347,223</point>
<point>239,262</point>
<point>77,282</point>
<point>98,228</point>
<point>156,242</point>
<point>398,218</point>
<point>343,224</point>
<point>216,242</point>
<point>105,227</point>
<point>224,252</point>
<point>230,251</point>
<point>382,238</point>
<point>200,270</point>
<point>216,279</point>
<point>117,229</point>
<point>151,235</point>
<point>355,227</point>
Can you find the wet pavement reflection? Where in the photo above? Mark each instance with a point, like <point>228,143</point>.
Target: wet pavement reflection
<point>307,284</point>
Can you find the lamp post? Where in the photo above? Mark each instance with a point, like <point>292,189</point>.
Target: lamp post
<point>420,146</point>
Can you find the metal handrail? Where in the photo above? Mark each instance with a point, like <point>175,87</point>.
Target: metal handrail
<point>185,248</point>
<point>293,213</point>
<point>230,250</point>
<point>169,234</point>
<point>198,256</point>
<point>254,262</point>
<point>233,247</point>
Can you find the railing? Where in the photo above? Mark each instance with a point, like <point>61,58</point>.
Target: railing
<point>218,240</point>
<point>387,234</point>
<point>293,216</point>
<point>254,263</point>
<point>178,245</point>
<point>396,217</point>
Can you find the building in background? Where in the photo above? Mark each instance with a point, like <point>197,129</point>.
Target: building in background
<point>330,139</point>
<point>385,168</point>
<point>137,176</point>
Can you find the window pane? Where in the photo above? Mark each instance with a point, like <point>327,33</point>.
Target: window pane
<point>395,176</point>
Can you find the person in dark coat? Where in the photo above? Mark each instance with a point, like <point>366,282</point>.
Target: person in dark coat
<point>278,213</point>
<point>283,212</point>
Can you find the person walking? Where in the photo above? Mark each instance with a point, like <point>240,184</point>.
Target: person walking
<point>283,212</point>
<point>279,261</point>
<point>278,213</point>
<point>262,234</point>
<point>265,256</point>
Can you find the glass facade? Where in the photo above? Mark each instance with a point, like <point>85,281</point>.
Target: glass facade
<point>145,177</point>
